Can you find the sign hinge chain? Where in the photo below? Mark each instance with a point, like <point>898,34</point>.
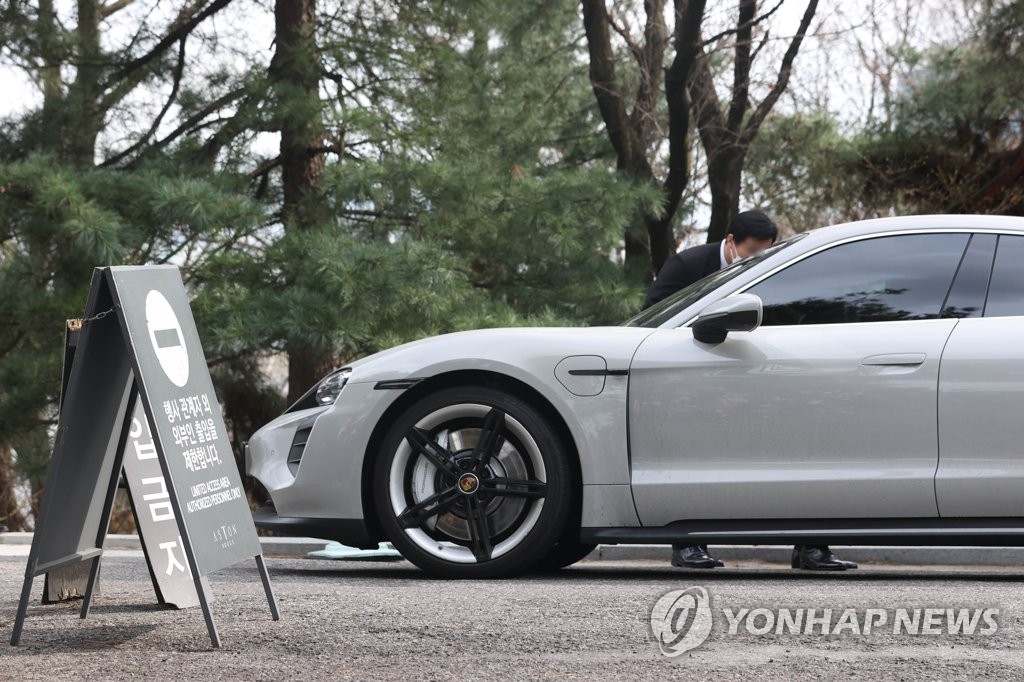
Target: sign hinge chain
<point>76,325</point>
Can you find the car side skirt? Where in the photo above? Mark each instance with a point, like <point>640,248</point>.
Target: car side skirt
<point>993,531</point>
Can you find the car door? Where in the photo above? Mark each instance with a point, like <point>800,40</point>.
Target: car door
<point>827,410</point>
<point>981,394</point>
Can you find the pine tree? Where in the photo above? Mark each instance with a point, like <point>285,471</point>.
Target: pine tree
<point>74,196</point>
<point>464,184</point>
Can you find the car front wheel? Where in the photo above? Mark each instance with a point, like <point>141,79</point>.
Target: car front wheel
<point>473,482</point>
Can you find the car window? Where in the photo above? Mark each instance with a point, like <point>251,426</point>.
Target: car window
<point>669,307</point>
<point>881,279</point>
<point>1006,291</point>
<point>967,295</point>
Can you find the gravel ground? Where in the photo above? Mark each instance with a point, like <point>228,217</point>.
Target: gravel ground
<point>377,621</point>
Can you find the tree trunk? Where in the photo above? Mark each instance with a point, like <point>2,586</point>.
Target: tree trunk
<point>725,174</point>
<point>662,236</point>
<point>295,70</point>
<point>637,249</point>
<point>295,73</point>
<point>10,514</point>
<point>727,132</point>
<point>49,47</point>
<point>84,117</point>
<point>71,120</point>
<point>651,241</point>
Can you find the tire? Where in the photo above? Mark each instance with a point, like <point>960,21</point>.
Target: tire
<point>564,554</point>
<point>459,511</point>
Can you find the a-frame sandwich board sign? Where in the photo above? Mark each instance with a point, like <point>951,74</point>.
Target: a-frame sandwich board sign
<point>146,490</point>
<point>139,341</point>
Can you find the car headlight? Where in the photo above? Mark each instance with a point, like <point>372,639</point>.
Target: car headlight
<point>330,388</point>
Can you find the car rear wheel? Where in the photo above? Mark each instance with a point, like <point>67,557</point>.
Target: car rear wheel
<point>473,482</point>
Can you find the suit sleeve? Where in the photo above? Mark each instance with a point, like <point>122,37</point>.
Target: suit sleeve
<point>673,276</point>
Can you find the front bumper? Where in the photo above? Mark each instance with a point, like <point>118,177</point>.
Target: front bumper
<point>311,461</point>
<point>351,532</point>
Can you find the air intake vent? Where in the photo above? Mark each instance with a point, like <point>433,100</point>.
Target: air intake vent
<point>298,447</point>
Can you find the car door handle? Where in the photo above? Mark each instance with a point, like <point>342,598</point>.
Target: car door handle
<point>895,359</point>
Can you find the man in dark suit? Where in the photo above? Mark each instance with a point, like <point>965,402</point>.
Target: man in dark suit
<point>749,233</point>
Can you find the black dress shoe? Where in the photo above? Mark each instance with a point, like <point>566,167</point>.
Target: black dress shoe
<point>849,564</point>
<point>693,556</point>
<point>818,558</point>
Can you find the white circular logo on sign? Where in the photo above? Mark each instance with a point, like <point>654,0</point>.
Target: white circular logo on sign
<point>166,337</point>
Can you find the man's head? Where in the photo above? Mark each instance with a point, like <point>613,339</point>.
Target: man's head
<point>750,232</point>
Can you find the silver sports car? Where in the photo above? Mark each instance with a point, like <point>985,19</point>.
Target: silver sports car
<point>857,384</point>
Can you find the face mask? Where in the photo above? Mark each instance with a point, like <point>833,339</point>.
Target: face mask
<point>731,253</point>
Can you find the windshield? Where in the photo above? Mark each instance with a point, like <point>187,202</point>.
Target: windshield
<point>668,307</point>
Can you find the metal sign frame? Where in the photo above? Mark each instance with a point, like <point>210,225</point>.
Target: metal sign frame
<point>112,367</point>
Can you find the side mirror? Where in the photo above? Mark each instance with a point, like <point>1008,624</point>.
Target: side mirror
<point>739,313</point>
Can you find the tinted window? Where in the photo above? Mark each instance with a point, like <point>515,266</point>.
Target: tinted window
<point>967,296</point>
<point>872,280</point>
<point>667,308</point>
<point>1006,292</point>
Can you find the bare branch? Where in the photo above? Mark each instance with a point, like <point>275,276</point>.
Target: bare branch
<point>762,110</point>
<point>179,70</point>
<point>194,120</point>
<point>112,7</point>
<point>741,27</point>
<point>265,167</point>
<point>764,41</point>
<point>186,22</point>
<point>626,36</point>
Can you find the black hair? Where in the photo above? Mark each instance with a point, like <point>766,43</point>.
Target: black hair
<point>754,224</point>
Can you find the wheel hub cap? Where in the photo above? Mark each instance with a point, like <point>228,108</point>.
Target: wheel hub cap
<point>468,483</point>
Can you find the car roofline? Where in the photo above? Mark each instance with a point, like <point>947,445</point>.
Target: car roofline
<point>822,238</point>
